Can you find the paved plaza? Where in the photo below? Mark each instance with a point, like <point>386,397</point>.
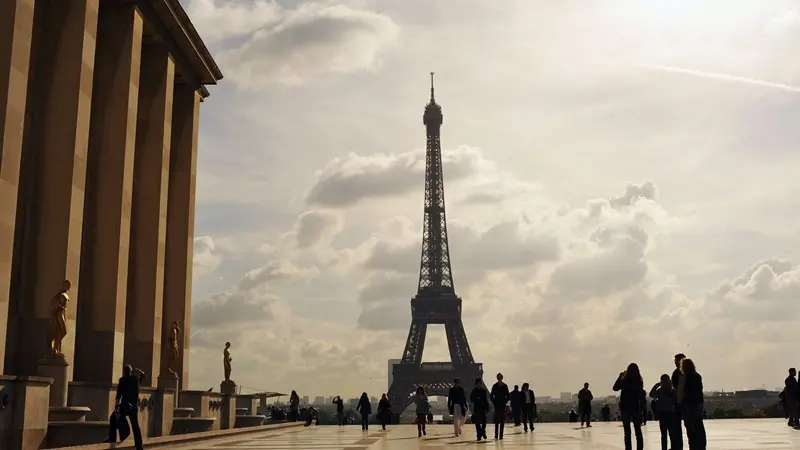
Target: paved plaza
<point>765,434</point>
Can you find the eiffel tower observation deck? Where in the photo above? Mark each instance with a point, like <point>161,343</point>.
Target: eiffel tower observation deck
<point>436,301</point>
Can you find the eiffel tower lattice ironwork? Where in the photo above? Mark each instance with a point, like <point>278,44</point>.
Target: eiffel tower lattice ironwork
<point>436,301</point>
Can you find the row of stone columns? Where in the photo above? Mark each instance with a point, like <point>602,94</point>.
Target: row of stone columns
<point>105,142</point>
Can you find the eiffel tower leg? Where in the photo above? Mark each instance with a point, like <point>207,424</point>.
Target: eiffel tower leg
<point>460,352</point>
<point>415,343</point>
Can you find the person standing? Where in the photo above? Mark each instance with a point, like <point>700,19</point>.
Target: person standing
<point>384,411</point>
<point>364,408</point>
<point>663,395</point>
<point>457,406</point>
<point>690,397</point>
<point>499,398</point>
<point>790,395</point>
<point>294,406</point>
<point>127,405</point>
<point>630,385</point>
<point>515,398</point>
<point>678,416</point>
<point>339,410</point>
<point>480,408</point>
<point>585,398</point>
<point>528,406</point>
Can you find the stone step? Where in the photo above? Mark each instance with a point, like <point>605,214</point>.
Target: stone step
<point>182,412</point>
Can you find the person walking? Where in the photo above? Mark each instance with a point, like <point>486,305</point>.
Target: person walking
<point>423,409</point>
<point>528,406</point>
<point>630,385</point>
<point>791,392</point>
<point>480,408</point>
<point>515,398</point>
<point>585,398</point>
<point>126,406</point>
<point>384,411</point>
<point>499,398</point>
<point>457,406</point>
<point>663,395</point>
<point>678,416</point>
<point>364,408</point>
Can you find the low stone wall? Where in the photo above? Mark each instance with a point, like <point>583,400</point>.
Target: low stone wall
<point>171,441</point>
<point>211,404</point>
<point>24,407</point>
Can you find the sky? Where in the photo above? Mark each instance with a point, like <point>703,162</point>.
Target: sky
<point>619,178</point>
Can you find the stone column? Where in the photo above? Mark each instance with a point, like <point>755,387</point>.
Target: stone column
<point>149,215</point>
<point>109,184</point>
<point>180,224</point>
<point>16,32</point>
<point>64,47</point>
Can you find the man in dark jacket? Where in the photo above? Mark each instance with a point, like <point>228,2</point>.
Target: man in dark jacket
<point>127,406</point>
<point>585,398</point>
<point>791,391</point>
<point>678,416</point>
<point>516,405</point>
<point>499,397</point>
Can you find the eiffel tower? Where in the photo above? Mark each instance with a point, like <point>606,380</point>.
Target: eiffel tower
<point>436,301</point>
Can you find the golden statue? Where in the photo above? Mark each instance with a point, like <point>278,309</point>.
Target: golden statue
<point>174,339</point>
<point>226,361</point>
<point>61,300</point>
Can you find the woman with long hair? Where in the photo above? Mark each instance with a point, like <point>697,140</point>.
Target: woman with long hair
<point>422,409</point>
<point>294,405</point>
<point>664,401</point>
<point>365,409</point>
<point>630,385</point>
<point>690,398</point>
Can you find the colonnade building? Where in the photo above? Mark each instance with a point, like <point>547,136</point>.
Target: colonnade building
<point>99,109</point>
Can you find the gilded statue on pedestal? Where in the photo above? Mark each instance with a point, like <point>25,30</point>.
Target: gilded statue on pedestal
<point>226,361</point>
<point>174,339</point>
<point>59,318</point>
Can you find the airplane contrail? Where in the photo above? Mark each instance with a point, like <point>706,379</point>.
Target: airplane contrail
<point>722,77</point>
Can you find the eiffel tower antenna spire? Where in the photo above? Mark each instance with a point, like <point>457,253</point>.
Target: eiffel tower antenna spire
<point>432,100</point>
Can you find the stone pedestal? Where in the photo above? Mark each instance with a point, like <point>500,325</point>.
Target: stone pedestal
<point>56,368</point>
<point>171,382</point>
<point>24,403</point>
<point>228,387</point>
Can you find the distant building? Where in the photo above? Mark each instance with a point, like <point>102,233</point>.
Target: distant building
<point>564,396</point>
<point>304,400</point>
<point>319,401</point>
<point>391,364</point>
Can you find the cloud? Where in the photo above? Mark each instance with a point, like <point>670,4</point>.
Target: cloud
<point>314,227</point>
<point>273,271</point>
<point>346,181</point>
<point>294,46</point>
<point>205,260</point>
<point>232,308</point>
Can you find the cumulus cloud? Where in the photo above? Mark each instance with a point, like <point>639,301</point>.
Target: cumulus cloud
<point>205,259</point>
<point>314,227</point>
<point>233,308</point>
<point>292,46</point>
<point>348,180</point>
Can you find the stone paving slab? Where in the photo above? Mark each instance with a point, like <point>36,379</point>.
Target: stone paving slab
<point>766,434</point>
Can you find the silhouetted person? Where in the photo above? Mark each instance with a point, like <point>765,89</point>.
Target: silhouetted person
<point>364,408</point>
<point>573,416</point>
<point>457,406</point>
<point>384,411</point>
<point>605,411</point>
<point>585,398</point>
<point>678,416</point>
<point>690,398</point>
<point>480,408</point>
<point>663,396</point>
<point>423,409</point>
<point>631,385</point>
<point>499,397</point>
<point>127,406</point>
<point>339,410</point>
<point>791,395</point>
<point>516,407</point>
<point>528,406</point>
<point>294,405</point>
